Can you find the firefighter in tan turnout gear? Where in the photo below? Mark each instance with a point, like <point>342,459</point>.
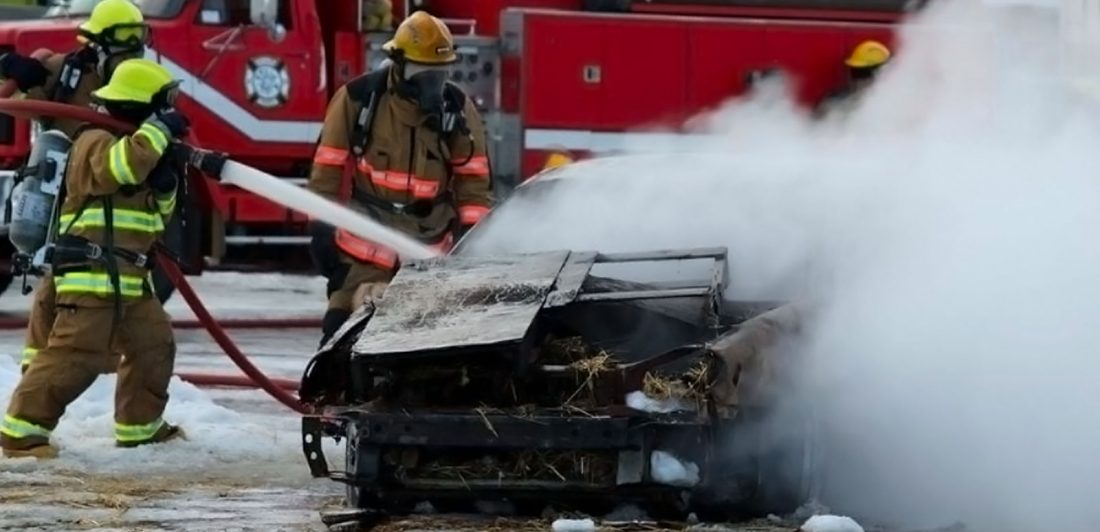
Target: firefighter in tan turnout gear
<point>118,193</point>
<point>405,147</point>
<point>115,31</point>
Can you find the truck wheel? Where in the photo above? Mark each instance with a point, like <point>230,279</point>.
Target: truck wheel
<point>162,285</point>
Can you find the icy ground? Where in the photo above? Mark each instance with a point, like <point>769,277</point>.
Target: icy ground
<point>241,468</point>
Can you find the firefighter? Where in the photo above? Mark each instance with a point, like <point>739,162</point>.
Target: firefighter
<point>115,31</point>
<point>413,148</point>
<point>377,15</point>
<point>863,64</point>
<point>118,196</point>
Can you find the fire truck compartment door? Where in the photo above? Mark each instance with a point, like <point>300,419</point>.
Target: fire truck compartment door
<point>270,79</point>
<point>602,73</point>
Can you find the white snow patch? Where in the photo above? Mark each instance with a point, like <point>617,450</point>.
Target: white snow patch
<point>216,436</point>
<point>830,523</point>
<point>638,400</point>
<point>574,525</point>
<point>668,469</point>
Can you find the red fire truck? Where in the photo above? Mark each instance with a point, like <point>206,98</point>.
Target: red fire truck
<point>579,75</point>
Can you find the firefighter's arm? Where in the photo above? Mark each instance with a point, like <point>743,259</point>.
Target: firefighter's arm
<point>164,180</point>
<point>126,160</point>
<point>470,161</point>
<point>332,148</point>
<point>30,74</point>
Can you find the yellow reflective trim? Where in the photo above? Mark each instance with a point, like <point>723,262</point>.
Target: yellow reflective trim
<point>99,284</point>
<point>166,206</point>
<point>120,164</point>
<point>125,219</point>
<point>28,355</point>
<point>134,433</point>
<point>155,135</point>
<point>14,427</point>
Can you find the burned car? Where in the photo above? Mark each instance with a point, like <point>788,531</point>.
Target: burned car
<point>576,378</point>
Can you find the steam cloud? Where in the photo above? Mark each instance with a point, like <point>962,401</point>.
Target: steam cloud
<point>951,225</point>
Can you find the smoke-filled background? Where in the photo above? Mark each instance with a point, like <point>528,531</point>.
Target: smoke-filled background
<point>951,224</point>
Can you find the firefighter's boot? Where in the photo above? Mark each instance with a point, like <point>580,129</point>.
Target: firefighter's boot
<point>27,448</point>
<point>166,433</point>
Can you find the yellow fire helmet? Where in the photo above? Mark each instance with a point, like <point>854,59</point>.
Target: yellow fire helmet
<point>557,159</point>
<point>137,81</point>
<point>868,54</point>
<point>422,39</point>
<point>115,23</point>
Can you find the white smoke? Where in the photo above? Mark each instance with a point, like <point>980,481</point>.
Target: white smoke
<point>952,225</point>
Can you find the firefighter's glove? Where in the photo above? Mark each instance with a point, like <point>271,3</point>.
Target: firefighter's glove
<point>208,162</point>
<point>171,122</point>
<point>163,179</point>
<point>27,72</point>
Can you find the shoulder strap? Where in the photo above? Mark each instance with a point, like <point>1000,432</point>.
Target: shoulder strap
<point>454,106</point>
<point>365,90</point>
<point>72,69</point>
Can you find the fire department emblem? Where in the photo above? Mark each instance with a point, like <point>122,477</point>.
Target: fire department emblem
<point>267,81</point>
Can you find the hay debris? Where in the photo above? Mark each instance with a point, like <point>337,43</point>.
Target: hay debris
<point>590,368</point>
<point>693,385</point>
<point>485,420</point>
<point>567,350</point>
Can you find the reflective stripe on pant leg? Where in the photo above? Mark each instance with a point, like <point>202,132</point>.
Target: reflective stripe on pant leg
<point>137,433</point>
<point>14,427</point>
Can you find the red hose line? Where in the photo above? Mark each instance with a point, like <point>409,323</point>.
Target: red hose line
<point>7,324</point>
<point>8,88</point>
<point>223,340</point>
<point>236,381</point>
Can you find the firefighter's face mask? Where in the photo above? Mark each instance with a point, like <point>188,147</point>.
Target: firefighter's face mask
<point>117,44</point>
<point>862,77</point>
<point>424,85</point>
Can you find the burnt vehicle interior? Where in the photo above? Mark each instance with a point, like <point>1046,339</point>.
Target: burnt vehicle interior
<point>508,377</point>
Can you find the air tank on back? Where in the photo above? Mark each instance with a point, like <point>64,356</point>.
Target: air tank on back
<point>35,194</point>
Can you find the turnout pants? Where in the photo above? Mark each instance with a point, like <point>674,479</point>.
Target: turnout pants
<point>347,292</point>
<point>79,348</point>
<point>41,321</point>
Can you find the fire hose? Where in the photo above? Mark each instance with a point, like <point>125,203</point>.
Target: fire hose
<point>278,389</point>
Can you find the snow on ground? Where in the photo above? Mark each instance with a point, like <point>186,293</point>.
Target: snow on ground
<point>241,467</point>
<point>830,523</point>
<point>216,435</point>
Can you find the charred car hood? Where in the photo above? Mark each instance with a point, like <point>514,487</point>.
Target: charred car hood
<point>467,304</point>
